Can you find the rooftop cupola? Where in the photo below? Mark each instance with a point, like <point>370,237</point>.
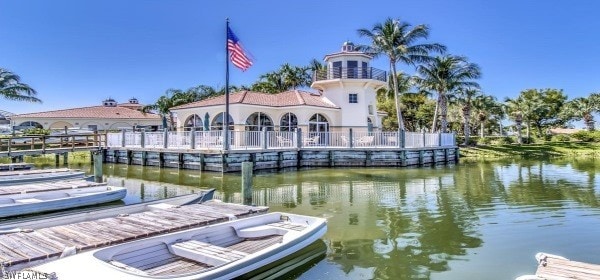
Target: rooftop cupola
<point>348,47</point>
<point>133,100</point>
<point>109,103</point>
<point>349,63</point>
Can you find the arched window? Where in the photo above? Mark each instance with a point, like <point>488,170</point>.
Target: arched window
<point>257,121</point>
<point>193,121</point>
<point>31,124</point>
<point>318,123</point>
<point>289,122</point>
<point>217,122</point>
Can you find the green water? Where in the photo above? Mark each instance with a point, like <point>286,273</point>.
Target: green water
<point>481,220</point>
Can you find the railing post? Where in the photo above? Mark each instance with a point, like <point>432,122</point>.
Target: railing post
<point>123,135</point>
<point>143,138</point>
<point>165,139</point>
<point>424,139</point>
<point>263,137</point>
<point>193,138</point>
<point>401,138</point>
<point>350,138</point>
<point>298,138</point>
<point>439,139</point>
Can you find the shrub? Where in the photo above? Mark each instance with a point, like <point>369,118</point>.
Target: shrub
<point>484,141</point>
<point>587,136</point>
<point>561,138</point>
<point>36,131</point>
<point>504,140</point>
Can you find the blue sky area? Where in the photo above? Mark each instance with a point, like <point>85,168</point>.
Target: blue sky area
<point>77,53</point>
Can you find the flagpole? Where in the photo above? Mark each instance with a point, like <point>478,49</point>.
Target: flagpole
<point>226,117</point>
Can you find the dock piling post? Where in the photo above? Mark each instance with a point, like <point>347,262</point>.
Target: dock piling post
<point>165,139</point>
<point>247,182</point>
<point>66,158</point>
<point>193,138</point>
<point>263,135</point>
<point>350,138</point>
<point>56,159</point>
<point>123,137</point>
<point>97,166</point>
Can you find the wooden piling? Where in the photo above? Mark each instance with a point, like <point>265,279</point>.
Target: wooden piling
<point>98,166</point>
<point>65,158</point>
<point>247,182</point>
<point>56,160</point>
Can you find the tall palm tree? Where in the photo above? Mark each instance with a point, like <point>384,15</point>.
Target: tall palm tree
<point>485,106</point>
<point>584,108</point>
<point>515,111</point>
<point>465,97</point>
<point>445,75</point>
<point>397,40</point>
<point>12,88</point>
<point>163,107</point>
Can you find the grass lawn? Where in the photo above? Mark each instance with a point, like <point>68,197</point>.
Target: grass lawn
<point>549,149</point>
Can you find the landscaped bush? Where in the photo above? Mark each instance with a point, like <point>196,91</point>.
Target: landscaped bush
<point>560,138</point>
<point>587,136</point>
<point>36,131</point>
<point>460,140</point>
<point>484,141</point>
<point>504,141</point>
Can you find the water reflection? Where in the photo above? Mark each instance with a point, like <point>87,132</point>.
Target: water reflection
<point>454,222</point>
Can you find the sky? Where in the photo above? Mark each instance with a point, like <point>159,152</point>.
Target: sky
<point>78,53</point>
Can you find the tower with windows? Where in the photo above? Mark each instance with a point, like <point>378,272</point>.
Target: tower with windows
<point>349,81</point>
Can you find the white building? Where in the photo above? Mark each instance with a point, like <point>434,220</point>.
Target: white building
<point>109,116</point>
<point>344,97</point>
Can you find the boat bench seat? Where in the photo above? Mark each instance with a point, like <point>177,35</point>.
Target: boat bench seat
<point>260,231</point>
<point>205,252</point>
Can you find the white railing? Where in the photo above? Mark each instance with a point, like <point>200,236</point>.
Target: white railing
<point>252,140</point>
<point>114,139</point>
<point>281,139</point>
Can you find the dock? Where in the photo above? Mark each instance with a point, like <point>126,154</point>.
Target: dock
<point>32,247</point>
<point>552,267</point>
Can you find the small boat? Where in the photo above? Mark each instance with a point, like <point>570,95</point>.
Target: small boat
<point>15,166</point>
<point>52,200</point>
<point>553,267</point>
<point>38,175</point>
<point>219,251</point>
<point>106,212</point>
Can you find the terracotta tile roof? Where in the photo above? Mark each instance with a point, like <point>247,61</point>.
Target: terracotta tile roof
<point>283,99</point>
<point>95,112</point>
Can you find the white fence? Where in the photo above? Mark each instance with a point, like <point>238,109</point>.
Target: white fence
<point>251,140</point>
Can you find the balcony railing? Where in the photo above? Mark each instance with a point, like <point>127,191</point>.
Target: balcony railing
<point>350,73</point>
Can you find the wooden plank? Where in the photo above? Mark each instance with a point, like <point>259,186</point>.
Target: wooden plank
<point>552,267</point>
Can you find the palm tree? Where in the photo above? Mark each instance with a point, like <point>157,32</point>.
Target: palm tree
<point>163,107</point>
<point>444,75</point>
<point>584,108</point>
<point>485,106</point>
<point>12,88</point>
<point>286,78</point>
<point>515,111</point>
<point>465,97</point>
<point>396,40</point>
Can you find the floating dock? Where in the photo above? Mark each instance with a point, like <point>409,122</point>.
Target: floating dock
<point>28,248</point>
<point>552,267</point>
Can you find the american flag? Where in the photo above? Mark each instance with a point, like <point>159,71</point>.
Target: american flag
<point>238,56</point>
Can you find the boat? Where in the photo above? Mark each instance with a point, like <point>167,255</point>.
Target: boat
<point>220,251</point>
<point>15,166</point>
<point>554,267</point>
<point>60,218</point>
<point>38,175</point>
<point>24,203</point>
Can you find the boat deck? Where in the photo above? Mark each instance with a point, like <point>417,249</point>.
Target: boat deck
<point>49,186</point>
<point>555,268</point>
<point>27,248</point>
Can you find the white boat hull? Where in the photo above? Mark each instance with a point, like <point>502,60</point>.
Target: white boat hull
<point>38,202</point>
<point>42,177</point>
<point>125,261</point>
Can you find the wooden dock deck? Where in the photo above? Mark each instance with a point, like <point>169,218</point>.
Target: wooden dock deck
<point>553,267</point>
<point>28,248</point>
<point>47,186</point>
